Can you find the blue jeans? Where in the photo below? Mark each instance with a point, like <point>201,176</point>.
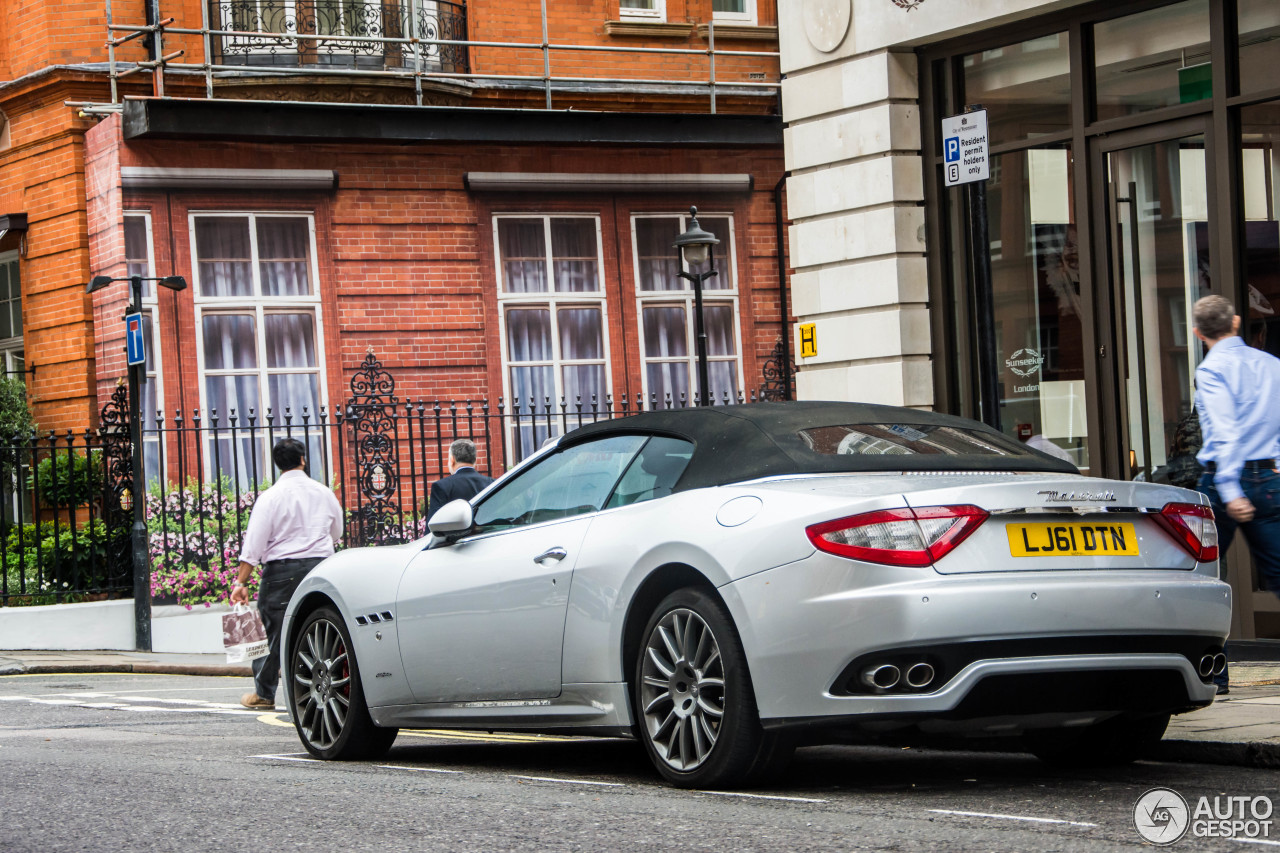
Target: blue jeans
<point>1262,488</point>
<point>279,580</point>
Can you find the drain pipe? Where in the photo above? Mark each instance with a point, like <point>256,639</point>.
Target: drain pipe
<point>784,313</point>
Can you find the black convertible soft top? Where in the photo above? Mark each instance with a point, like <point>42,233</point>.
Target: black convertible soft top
<point>738,443</point>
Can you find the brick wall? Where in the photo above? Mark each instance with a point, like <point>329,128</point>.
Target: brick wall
<point>406,255</point>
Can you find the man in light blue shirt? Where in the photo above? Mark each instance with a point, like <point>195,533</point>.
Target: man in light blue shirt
<point>1238,397</point>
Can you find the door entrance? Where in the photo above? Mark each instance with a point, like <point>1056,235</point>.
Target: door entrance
<point>1158,239</point>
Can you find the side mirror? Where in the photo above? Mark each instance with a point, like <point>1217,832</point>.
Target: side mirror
<point>453,517</point>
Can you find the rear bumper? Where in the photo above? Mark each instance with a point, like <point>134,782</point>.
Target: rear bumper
<point>804,624</point>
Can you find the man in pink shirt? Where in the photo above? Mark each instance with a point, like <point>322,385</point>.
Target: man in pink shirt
<point>294,525</point>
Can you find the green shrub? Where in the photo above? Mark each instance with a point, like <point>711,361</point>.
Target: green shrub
<point>194,536</point>
<point>67,479</point>
<point>58,560</point>
<point>15,421</point>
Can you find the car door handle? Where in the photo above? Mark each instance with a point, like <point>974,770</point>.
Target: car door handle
<point>551,554</point>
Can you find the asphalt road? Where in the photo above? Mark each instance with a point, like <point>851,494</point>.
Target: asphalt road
<point>151,762</point>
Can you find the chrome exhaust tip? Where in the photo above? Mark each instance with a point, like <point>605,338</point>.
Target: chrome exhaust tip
<point>1206,666</point>
<point>883,677</point>
<point>1219,663</point>
<point>919,675</point>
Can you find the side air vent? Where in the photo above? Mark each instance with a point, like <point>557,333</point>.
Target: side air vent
<point>360,620</point>
<point>374,618</point>
<point>386,616</point>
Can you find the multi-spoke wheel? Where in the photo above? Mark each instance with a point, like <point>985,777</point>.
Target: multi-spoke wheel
<point>324,693</point>
<point>693,696</point>
<point>682,689</point>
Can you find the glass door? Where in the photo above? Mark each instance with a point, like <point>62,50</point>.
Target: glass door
<point>1158,242</point>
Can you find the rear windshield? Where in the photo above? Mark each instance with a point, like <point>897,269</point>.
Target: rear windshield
<point>905,440</point>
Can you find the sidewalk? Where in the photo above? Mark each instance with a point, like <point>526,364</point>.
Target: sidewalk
<point>1241,728</point>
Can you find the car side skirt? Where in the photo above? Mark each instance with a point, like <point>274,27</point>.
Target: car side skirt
<point>592,709</point>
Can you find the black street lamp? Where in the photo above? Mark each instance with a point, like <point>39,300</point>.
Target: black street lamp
<point>138,375</point>
<point>695,247</point>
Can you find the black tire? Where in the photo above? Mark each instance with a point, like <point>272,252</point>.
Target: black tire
<point>1120,740</point>
<point>324,694</point>
<point>696,712</point>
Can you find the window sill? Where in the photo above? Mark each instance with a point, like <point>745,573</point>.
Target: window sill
<point>647,29</point>
<point>740,32</point>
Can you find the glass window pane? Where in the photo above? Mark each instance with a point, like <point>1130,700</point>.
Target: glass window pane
<point>654,472</point>
<point>291,340</point>
<point>658,258</point>
<point>1260,128</point>
<point>737,7</point>
<point>719,226</point>
<point>15,315</point>
<point>1025,87</point>
<point>722,376</point>
<point>230,341</point>
<point>222,246</point>
<point>293,394</point>
<point>580,333</point>
<point>532,389</point>
<point>1035,272</point>
<point>528,334</point>
<point>665,333</point>
<point>4,277</point>
<point>572,482</point>
<point>522,246</point>
<point>573,250</point>
<point>584,383</point>
<point>718,324</point>
<point>668,384</point>
<point>136,251</point>
<point>238,393</point>
<point>1259,44</point>
<point>284,251</point>
<point>1153,59</point>
<point>637,4</point>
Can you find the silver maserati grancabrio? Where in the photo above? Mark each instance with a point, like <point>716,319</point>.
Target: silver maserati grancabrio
<point>723,582</point>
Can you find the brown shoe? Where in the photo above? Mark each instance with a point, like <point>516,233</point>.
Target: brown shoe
<point>253,700</point>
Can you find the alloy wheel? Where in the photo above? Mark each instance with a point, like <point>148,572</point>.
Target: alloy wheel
<point>682,690</point>
<point>322,684</point>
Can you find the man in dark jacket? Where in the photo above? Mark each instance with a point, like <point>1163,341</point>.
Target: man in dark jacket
<point>464,481</point>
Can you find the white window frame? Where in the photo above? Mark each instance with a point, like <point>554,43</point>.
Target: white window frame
<point>9,347</point>
<point>259,306</point>
<point>726,258</point>
<point>746,16</point>
<point>151,308</point>
<point>553,300</point>
<point>657,13</point>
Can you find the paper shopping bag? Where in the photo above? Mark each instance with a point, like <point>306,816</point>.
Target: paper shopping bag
<point>243,636</point>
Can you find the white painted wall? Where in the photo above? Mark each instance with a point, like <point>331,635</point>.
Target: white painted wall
<point>108,625</point>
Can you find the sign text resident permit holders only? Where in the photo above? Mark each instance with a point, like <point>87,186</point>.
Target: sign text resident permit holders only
<point>965,150</point>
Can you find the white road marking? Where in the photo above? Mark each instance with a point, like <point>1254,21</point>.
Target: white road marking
<point>417,769</point>
<point>1255,841</point>
<point>1013,817</point>
<point>289,758</point>
<point>762,796</point>
<point>186,706</point>
<point>567,781</point>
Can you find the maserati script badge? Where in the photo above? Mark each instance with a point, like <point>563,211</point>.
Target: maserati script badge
<point>1069,497</point>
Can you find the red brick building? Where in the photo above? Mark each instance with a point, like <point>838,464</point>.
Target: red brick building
<point>331,178</point>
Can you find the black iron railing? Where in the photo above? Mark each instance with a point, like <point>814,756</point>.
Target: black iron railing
<point>361,34</point>
<point>205,470</point>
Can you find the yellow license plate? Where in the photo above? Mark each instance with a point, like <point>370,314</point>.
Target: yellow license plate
<point>1072,539</point>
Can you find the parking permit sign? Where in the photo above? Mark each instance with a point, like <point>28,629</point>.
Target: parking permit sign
<point>134,344</point>
<point>965,150</point>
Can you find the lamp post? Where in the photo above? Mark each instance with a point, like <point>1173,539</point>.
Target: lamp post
<point>695,247</point>
<point>138,535</point>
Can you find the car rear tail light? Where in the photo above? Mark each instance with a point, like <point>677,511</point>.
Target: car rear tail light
<point>898,537</point>
<point>1191,525</point>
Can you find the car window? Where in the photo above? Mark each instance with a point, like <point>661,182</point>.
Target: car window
<point>567,483</point>
<point>907,440</point>
<point>654,471</point>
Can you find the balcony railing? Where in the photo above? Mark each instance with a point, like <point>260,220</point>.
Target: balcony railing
<point>350,34</point>
<point>419,41</point>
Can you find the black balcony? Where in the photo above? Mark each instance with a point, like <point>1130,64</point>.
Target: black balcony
<point>335,34</point>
